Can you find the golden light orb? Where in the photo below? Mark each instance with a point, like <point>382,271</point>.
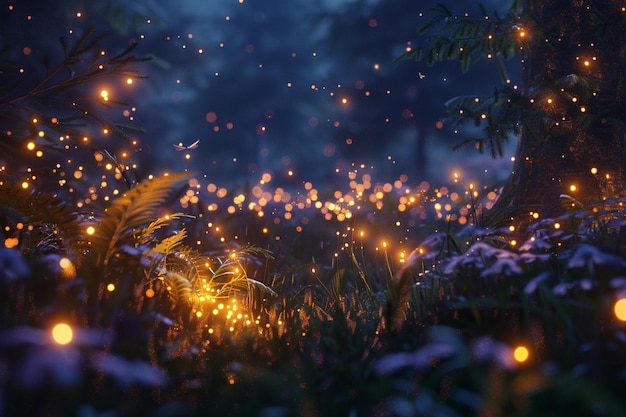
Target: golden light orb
<point>521,354</point>
<point>11,242</point>
<point>65,263</point>
<point>620,309</point>
<point>62,334</point>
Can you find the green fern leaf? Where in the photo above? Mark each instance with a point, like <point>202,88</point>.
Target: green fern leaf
<point>47,209</point>
<point>170,243</point>
<point>181,289</point>
<point>135,208</point>
<point>264,289</point>
<point>146,234</point>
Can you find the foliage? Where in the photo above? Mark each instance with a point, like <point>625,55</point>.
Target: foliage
<point>160,328</point>
<point>53,104</point>
<point>330,346</point>
<point>468,38</point>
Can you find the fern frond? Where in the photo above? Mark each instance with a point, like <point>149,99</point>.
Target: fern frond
<point>170,243</point>
<point>47,209</point>
<point>467,38</point>
<point>135,208</point>
<point>147,234</point>
<point>231,275</point>
<point>252,252</point>
<point>261,287</point>
<point>171,256</point>
<point>181,288</point>
<point>190,262</point>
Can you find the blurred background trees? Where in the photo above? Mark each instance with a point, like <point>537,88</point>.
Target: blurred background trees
<point>307,88</point>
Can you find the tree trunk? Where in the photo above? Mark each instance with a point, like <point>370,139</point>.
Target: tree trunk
<point>573,139</point>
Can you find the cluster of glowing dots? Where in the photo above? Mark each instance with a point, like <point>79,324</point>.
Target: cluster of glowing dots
<point>11,242</point>
<point>102,189</point>
<point>43,125</point>
<point>228,311</point>
<point>277,204</point>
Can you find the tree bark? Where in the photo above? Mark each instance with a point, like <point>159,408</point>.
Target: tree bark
<point>573,139</point>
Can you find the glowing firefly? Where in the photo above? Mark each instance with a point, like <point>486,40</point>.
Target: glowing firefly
<point>521,354</point>
<point>62,334</point>
<point>180,147</point>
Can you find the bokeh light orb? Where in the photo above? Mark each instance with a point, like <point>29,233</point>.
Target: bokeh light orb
<point>62,334</point>
<point>521,354</point>
<point>65,263</point>
<point>620,309</point>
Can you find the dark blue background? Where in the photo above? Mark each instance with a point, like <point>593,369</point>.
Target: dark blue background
<point>274,74</point>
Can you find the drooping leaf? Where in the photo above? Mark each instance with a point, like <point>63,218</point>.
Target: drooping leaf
<point>147,233</point>
<point>63,43</point>
<point>483,10</point>
<point>137,207</point>
<point>170,243</point>
<point>504,75</point>
<point>181,288</point>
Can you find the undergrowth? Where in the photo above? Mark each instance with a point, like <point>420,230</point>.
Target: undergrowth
<point>474,322</point>
<point>160,328</point>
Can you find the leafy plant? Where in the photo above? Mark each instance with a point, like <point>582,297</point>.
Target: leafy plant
<point>26,103</point>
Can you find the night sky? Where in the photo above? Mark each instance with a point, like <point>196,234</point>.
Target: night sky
<point>267,101</point>
<point>301,90</point>
<point>308,89</point>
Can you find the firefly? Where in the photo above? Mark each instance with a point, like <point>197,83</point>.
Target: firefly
<point>180,147</point>
<point>62,334</point>
<point>521,354</point>
<point>620,309</point>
